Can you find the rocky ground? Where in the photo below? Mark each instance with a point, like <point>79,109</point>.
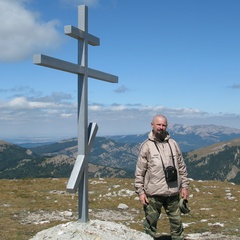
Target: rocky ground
<point>99,229</point>
<point>104,230</point>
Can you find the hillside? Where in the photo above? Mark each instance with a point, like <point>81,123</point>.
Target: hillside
<point>17,162</point>
<point>112,159</point>
<point>117,158</point>
<point>220,161</point>
<point>215,162</point>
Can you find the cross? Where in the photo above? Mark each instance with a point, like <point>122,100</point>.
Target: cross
<point>86,134</point>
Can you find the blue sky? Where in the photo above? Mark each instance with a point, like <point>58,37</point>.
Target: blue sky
<point>177,58</point>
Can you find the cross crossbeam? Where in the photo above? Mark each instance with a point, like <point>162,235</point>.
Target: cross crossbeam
<point>79,34</point>
<point>46,61</point>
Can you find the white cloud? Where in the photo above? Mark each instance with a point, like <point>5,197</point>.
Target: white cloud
<point>95,107</point>
<point>66,115</point>
<point>27,98</point>
<point>32,116</point>
<point>22,33</point>
<point>136,120</point>
<point>24,104</point>
<point>19,102</point>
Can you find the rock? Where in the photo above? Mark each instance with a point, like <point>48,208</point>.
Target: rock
<point>122,206</point>
<point>92,230</point>
<point>105,230</point>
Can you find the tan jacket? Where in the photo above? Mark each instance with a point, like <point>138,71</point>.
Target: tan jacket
<point>149,174</point>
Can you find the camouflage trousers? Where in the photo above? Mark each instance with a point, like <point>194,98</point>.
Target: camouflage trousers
<point>153,211</point>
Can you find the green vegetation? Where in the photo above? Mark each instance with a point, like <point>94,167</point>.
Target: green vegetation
<point>110,158</point>
<point>216,165</point>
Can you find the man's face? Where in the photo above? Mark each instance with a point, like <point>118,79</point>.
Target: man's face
<point>159,126</point>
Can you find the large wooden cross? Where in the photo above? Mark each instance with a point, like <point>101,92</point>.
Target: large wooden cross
<point>86,134</point>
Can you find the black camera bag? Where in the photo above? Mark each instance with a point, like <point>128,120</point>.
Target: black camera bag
<point>170,171</point>
<point>170,174</point>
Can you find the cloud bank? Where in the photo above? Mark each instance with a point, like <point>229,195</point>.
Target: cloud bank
<point>55,116</point>
<point>22,32</point>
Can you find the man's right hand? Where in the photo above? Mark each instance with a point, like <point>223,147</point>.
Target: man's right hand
<point>143,199</point>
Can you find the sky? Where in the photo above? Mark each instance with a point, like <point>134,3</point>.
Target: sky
<point>176,58</point>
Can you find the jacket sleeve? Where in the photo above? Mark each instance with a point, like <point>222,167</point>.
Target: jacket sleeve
<point>141,169</point>
<point>182,167</point>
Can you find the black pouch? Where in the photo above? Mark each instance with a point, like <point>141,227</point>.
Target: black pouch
<point>170,174</point>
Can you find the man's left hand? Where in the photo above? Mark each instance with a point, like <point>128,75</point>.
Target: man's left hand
<point>184,193</point>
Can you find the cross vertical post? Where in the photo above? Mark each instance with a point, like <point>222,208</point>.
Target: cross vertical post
<point>83,112</point>
<point>79,176</point>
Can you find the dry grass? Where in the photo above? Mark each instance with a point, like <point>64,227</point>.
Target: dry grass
<point>19,199</point>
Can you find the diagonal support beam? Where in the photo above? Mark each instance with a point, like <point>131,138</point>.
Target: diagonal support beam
<point>81,162</point>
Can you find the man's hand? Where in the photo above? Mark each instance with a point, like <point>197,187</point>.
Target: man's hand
<point>184,193</point>
<point>143,199</point>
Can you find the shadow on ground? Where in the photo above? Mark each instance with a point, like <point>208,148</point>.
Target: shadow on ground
<point>163,237</point>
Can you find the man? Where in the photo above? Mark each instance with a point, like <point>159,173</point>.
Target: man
<point>157,189</point>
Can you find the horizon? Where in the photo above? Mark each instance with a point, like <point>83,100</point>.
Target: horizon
<point>51,139</point>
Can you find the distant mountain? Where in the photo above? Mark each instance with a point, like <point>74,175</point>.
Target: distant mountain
<point>32,145</point>
<point>17,162</point>
<point>117,157</point>
<point>189,138</point>
<point>105,152</point>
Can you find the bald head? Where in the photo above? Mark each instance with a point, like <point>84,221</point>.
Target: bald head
<point>158,118</point>
<point>159,126</point>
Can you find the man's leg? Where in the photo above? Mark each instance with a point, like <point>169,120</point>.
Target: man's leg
<point>152,213</point>
<point>172,210</point>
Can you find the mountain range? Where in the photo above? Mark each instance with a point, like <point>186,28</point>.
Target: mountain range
<point>210,152</point>
<point>189,138</point>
